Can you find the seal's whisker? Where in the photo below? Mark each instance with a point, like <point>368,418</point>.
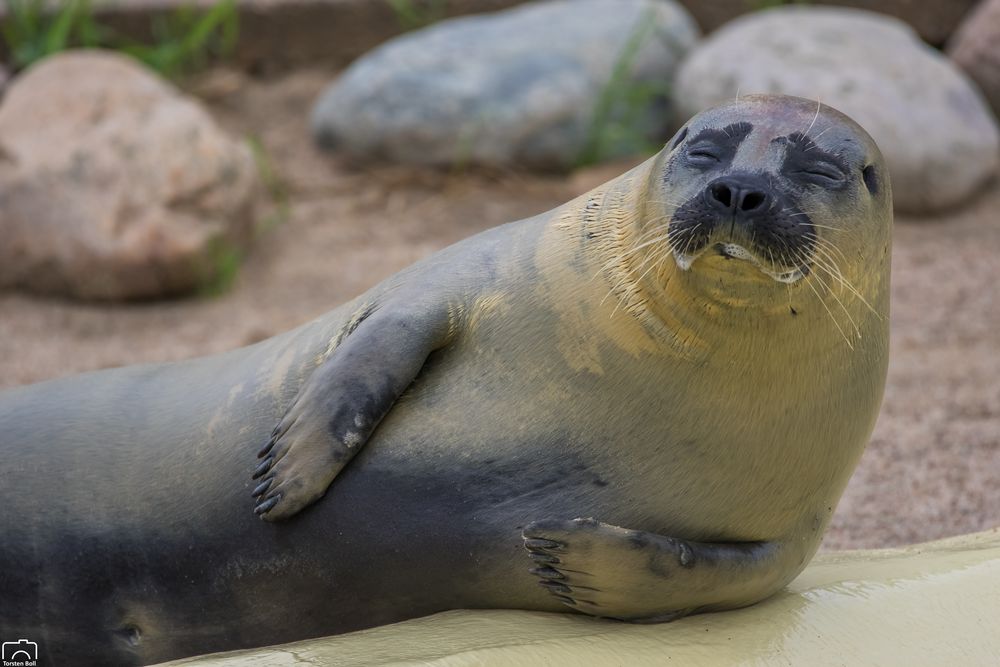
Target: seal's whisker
<point>604,267</point>
<point>628,273</point>
<point>829,290</point>
<point>690,233</point>
<point>629,255</point>
<point>845,283</point>
<point>658,239</point>
<point>638,280</point>
<point>660,218</point>
<point>663,237</point>
<point>617,260</point>
<point>830,313</point>
<point>832,261</point>
<point>625,277</point>
<point>815,118</point>
<point>650,232</point>
<point>654,226</point>
<point>691,238</point>
<point>841,230</point>
<point>828,261</point>
<point>827,250</point>
<point>607,266</point>
<point>821,133</point>
<point>830,250</point>
<point>827,264</point>
<point>826,243</point>
<point>819,226</point>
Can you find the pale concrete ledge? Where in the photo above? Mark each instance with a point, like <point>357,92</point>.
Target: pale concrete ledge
<point>929,604</point>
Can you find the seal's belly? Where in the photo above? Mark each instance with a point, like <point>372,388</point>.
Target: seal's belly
<point>495,440</point>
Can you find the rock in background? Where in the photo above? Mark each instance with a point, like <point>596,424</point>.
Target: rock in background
<point>113,185</point>
<point>976,49</point>
<point>939,139</point>
<point>521,86</point>
<point>934,20</point>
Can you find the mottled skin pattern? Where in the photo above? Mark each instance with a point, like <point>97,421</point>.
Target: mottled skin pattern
<point>475,404</point>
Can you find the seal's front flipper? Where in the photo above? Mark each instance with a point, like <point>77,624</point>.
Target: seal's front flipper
<point>613,572</point>
<point>340,405</point>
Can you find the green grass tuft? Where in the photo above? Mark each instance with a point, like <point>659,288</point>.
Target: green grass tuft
<point>183,41</point>
<point>617,126</point>
<point>188,39</point>
<point>415,14</point>
<point>33,32</point>
<point>225,261</point>
<point>277,188</point>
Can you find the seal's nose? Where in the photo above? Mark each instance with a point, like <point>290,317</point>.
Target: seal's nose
<point>739,196</point>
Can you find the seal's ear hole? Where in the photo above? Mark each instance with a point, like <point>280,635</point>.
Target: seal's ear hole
<point>681,136</point>
<point>871,179</point>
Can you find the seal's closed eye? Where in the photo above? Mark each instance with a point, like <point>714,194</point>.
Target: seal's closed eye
<point>702,156</point>
<point>807,162</point>
<point>712,145</point>
<point>822,173</point>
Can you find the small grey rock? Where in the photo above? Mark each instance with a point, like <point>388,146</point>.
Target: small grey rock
<point>975,47</point>
<point>113,185</point>
<point>938,137</point>
<point>515,87</point>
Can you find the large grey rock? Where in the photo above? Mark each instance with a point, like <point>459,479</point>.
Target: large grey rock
<point>976,49</point>
<point>934,20</point>
<point>938,137</point>
<point>519,86</point>
<point>112,184</point>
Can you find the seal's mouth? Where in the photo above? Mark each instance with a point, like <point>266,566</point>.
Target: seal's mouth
<point>747,217</point>
<point>738,252</point>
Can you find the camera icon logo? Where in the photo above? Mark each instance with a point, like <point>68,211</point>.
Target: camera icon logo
<point>20,652</point>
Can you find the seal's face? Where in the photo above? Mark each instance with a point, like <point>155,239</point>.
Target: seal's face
<point>780,184</point>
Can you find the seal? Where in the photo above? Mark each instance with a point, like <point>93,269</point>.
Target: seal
<point>693,354</point>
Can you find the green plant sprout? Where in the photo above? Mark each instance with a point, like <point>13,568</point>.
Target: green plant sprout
<point>32,32</point>
<point>182,41</point>
<point>224,262</point>
<point>413,14</point>
<point>616,126</point>
<point>274,184</point>
<point>186,40</point>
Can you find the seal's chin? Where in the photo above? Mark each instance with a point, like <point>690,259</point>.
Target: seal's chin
<point>736,251</point>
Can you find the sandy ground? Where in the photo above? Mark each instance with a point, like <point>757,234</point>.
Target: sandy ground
<point>931,470</point>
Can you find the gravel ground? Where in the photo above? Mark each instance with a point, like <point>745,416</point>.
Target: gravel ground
<point>932,468</point>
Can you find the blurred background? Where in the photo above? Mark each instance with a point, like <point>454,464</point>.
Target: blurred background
<point>179,179</point>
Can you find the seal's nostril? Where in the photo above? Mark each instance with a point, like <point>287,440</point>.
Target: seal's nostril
<point>722,194</point>
<point>743,197</point>
<point>752,201</point>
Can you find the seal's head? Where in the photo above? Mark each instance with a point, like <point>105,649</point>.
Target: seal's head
<point>772,188</point>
